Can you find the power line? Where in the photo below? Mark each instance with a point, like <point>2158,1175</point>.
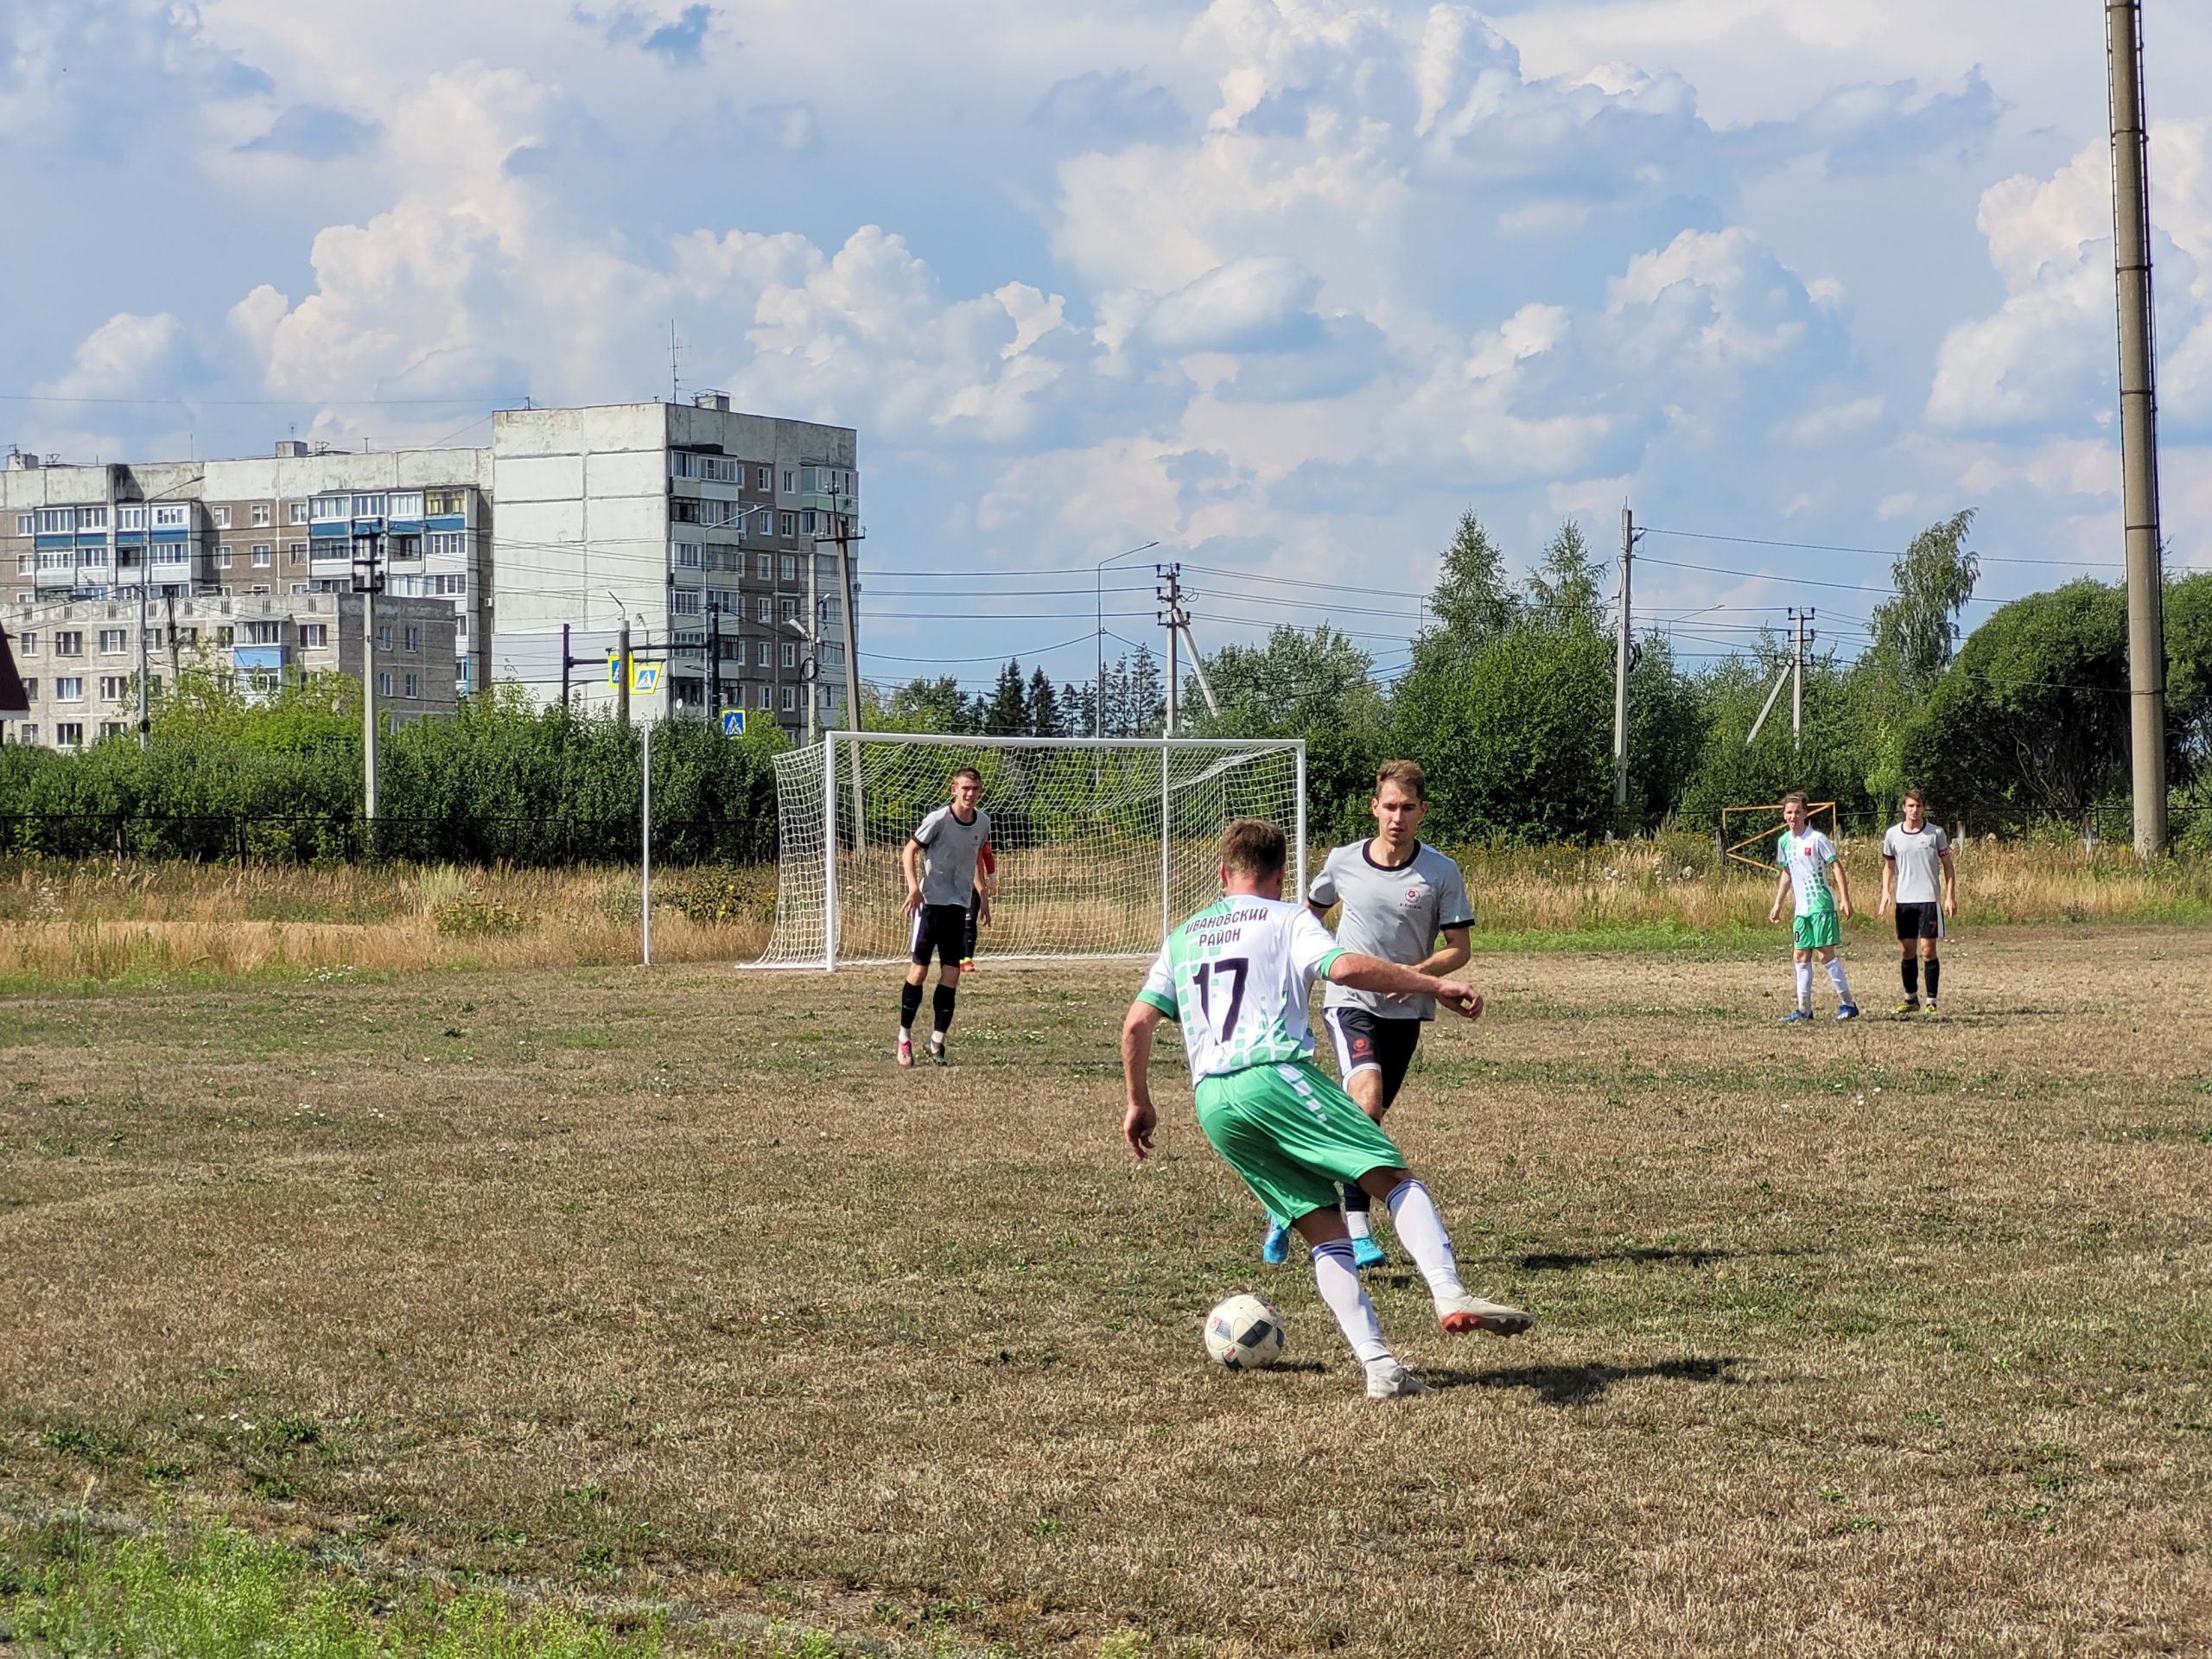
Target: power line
<point>261,403</point>
<point>1871,552</point>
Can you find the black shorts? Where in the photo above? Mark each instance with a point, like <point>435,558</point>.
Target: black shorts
<point>1364,1039</point>
<point>941,928</point>
<point>1920,921</point>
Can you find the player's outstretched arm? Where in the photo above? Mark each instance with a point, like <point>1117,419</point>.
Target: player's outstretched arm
<point>1139,1120</point>
<point>1373,974</point>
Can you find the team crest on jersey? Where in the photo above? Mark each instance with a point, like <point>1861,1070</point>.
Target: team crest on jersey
<point>1412,895</point>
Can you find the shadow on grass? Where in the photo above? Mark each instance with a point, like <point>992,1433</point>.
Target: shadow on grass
<point>1583,1385</point>
<point>1641,1254</point>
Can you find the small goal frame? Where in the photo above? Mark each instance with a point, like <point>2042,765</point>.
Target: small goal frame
<point>842,770</point>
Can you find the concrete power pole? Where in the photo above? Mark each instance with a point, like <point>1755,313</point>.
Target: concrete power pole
<point>622,670</point>
<point>368,578</point>
<point>1620,679</point>
<point>1170,595</point>
<point>2138,424</point>
<point>1801,637</point>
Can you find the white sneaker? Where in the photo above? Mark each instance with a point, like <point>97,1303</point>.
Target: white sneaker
<point>1462,1313</point>
<point>1388,1380</point>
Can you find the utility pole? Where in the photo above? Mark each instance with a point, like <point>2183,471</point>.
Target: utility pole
<point>2138,424</point>
<point>564,668</point>
<point>1169,593</point>
<point>622,670</point>
<point>368,582</point>
<point>715,662</point>
<point>1802,635</point>
<point>145,717</point>
<point>1620,678</point>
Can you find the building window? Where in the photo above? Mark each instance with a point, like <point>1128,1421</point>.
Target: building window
<point>262,551</point>
<point>130,518</point>
<point>760,656</point>
<point>173,553</point>
<point>30,691</point>
<point>27,734</point>
<point>68,642</point>
<point>26,524</point>
<point>409,506</point>
<point>786,609</point>
<point>223,558</point>
<point>70,688</point>
<point>764,565</point>
<point>414,683</point>
<point>759,478</point>
<point>791,567</point>
<point>791,698</point>
<point>791,653</point>
<point>368,506</point>
<point>222,516</point>
<point>27,644</point>
<point>296,552</point>
<point>261,514</point>
<point>224,634</point>
<point>69,734</point>
<point>315,636</point>
<point>788,524</point>
<point>448,584</point>
<point>327,507</point>
<point>92,558</point>
<point>383,683</point>
<point>300,514</point>
<point>787,481</point>
<point>383,637</point>
<point>447,503</point>
<point>91,517</point>
<point>687,555</point>
<point>767,696</point>
<point>264,634</point>
<point>54,520</point>
<point>301,588</point>
<point>453,542</point>
<point>172,517</point>
<point>413,637</point>
<point>113,642</point>
<point>114,687</point>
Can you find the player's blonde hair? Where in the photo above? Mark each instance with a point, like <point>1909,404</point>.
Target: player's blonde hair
<point>1253,847</point>
<point>1798,795</point>
<point>1406,774</point>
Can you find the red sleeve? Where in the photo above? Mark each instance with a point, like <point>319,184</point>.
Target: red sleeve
<point>990,860</point>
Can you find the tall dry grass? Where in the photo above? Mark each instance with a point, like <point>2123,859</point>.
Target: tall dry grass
<point>63,923</point>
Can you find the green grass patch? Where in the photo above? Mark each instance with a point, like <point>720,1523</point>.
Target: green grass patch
<point>209,1591</point>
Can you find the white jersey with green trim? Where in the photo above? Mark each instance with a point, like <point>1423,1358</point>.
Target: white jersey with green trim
<point>1238,977</point>
<point>1807,857</point>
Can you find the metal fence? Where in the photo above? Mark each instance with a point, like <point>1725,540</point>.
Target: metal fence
<point>242,839</point>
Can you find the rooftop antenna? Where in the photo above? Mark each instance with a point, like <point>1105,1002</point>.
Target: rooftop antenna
<point>674,347</point>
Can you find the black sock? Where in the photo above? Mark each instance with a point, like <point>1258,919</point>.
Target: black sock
<point>1909,970</point>
<point>910,1004</point>
<point>943,1008</point>
<point>1355,1198</point>
<point>1935,974</point>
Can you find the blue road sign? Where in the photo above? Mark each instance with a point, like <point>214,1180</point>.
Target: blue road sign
<point>733,722</point>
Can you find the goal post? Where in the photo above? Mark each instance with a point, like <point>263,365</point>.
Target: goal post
<point>1103,844</point>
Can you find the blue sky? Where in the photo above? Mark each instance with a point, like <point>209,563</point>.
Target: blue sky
<point>1282,284</point>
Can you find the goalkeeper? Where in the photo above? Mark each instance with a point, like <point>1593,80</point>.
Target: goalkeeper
<point>941,863</point>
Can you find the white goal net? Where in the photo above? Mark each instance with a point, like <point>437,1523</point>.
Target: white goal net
<point>1102,843</point>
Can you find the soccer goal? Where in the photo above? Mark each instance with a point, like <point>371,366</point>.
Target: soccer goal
<point>1102,844</point>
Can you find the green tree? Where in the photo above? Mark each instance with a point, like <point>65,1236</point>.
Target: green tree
<point>1567,587</point>
<point>938,705</point>
<point>1004,712</point>
<point>1912,644</point>
<point>1313,684</point>
<point>1041,711</point>
<point>1472,603</point>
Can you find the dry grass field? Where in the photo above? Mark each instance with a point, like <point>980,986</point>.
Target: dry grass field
<point>613,1287</point>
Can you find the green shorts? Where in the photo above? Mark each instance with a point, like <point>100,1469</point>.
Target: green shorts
<point>1293,1134</point>
<point>1818,931</point>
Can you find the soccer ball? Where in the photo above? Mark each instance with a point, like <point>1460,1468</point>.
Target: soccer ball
<point>1243,1333</point>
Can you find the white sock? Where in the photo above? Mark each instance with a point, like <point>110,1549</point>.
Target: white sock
<point>1805,985</point>
<point>1835,978</point>
<point>1356,1224</point>
<point>1421,1231</point>
<point>1347,1299</point>
<point>906,1033</point>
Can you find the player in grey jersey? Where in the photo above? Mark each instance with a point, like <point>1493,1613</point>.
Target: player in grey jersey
<point>1398,896</point>
<point>1915,860</point>
<point>951,840</point>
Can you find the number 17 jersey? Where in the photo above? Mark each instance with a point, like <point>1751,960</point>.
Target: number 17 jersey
<point>1238,977</point>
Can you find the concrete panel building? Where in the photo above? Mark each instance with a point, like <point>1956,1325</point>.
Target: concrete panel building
<point>712,531</point>
<point>80,659</point>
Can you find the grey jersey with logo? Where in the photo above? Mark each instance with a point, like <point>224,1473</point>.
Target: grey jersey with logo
<point>949,849</point>
<point>1395,914</point>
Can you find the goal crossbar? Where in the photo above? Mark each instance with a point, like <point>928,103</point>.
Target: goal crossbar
<point>1101,842</point>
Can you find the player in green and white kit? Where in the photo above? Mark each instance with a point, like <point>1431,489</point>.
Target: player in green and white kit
<point>1807,859</point>
<point>1238,977</point>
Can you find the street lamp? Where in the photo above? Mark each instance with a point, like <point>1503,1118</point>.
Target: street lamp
<point>810,673</point>
<point>1098,603</point>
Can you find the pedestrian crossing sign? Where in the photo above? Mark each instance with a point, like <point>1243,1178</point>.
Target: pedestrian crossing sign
<point>614,671</point>
<point>644,678</point>
<point>733,722</point>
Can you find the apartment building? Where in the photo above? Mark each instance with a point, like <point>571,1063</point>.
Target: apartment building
<point>711,531</point>
<point>294,522</point>
<point>80,659</point>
